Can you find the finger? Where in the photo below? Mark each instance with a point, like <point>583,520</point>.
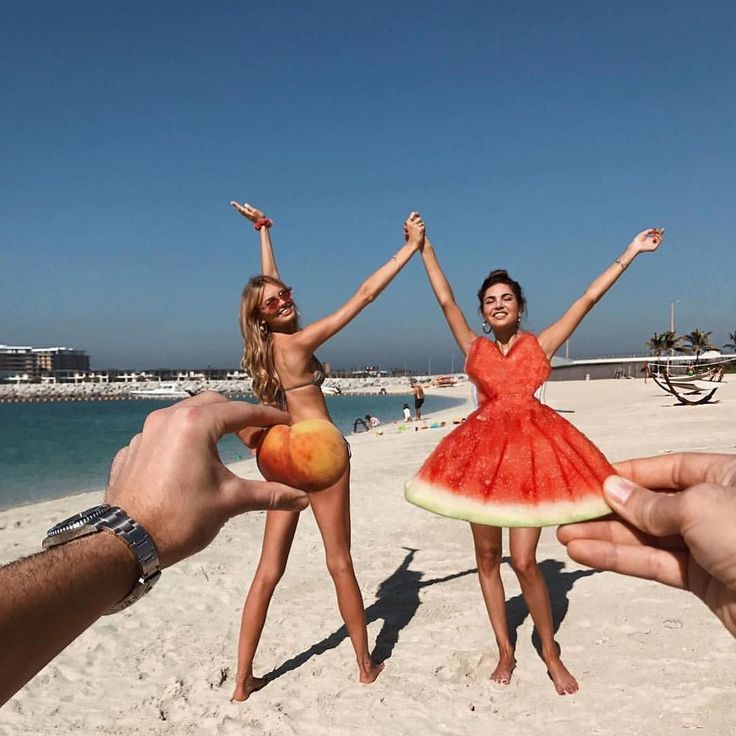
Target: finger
<point>135,440</point>
<point>617,532</point>
<point>230,416</point>
<point>206,397</point>
<point>664,566</point>
<point>660,514</point>
<point>675,472</point>
<point>117,464</point>
<point>240,495</point>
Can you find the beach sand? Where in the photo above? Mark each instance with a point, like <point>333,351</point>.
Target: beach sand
<point>649,659</point>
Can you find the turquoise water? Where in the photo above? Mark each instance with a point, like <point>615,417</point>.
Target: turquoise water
<point>49,450</point>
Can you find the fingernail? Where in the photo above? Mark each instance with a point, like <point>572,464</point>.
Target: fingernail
<point>618,488</point>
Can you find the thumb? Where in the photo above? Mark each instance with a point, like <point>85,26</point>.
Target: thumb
<point>240,495</point>
<point>658,514</point>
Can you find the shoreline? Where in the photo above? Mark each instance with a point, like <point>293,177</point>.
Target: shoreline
<point>233,389</point>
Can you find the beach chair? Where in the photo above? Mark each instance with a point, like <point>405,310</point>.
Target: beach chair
<point>689,390</point>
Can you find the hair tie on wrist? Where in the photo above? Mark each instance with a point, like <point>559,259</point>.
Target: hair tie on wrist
<point>262,222</point>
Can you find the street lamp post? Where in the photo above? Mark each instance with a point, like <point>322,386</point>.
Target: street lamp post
<point>672,323</point>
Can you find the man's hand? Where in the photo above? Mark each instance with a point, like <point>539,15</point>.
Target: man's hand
<point>171,480</point>
<point>682,533</point>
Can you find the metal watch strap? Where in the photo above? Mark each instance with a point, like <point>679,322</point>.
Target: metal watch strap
<point>138,539</point>
<point>113,519</point>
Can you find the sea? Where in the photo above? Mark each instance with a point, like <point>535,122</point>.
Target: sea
<point>51,450</point>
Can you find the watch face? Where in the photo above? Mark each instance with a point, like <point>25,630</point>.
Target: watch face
<point>78,520</point>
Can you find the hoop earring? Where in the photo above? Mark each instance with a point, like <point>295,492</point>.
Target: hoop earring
<point>262,327</point>
<point>486,327</point>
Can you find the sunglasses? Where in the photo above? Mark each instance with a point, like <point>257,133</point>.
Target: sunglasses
<point>271,305</point>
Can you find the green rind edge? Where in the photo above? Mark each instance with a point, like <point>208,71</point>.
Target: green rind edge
<point>499,515</point>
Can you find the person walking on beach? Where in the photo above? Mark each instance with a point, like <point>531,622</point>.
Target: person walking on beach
<point>512,450</point>
<point>279,356</point>
<point>418,391</point>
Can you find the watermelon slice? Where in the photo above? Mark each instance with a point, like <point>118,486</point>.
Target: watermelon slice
<point>530,470</point>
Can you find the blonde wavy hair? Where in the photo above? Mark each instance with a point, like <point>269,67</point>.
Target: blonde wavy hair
<point>257,360</point>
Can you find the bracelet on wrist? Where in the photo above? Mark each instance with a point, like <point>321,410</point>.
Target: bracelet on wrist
<point>262,222</point>
<point>621,263</point>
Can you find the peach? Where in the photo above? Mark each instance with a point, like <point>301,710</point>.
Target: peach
<point>310,455</point>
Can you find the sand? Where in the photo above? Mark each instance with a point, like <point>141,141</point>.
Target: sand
<point>649,659</point>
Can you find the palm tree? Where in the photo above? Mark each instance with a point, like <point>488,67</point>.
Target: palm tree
<point>698,342</point>
<point>731,345</point>
<point>671,342</point>
<point>656,343</point>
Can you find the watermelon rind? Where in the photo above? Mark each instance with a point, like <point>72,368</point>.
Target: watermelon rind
<point>445,503</point>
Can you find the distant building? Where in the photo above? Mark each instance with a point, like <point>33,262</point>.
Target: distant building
<point>26,363</point>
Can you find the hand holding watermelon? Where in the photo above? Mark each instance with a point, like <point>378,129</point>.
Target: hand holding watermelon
<point>687,541</point>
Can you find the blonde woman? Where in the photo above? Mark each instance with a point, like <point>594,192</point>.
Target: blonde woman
<point>279,356</point>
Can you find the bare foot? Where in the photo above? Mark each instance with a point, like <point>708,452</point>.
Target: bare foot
<point>506,665</point>
<point>369,671</point>
<point>245,689</point>
<point>564,682</point>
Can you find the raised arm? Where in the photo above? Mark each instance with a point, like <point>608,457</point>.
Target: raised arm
<point>263,225</point>
<point>443,291</point>
<point>555,335</point>
<point>313,335</point>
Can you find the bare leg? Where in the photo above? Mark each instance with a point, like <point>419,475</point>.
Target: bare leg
<point>277,538</point>
<point>523,559</point>
<point>488,549</point>
<point>331,509</point>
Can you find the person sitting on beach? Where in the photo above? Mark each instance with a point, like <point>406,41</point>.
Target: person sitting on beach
<point>373,422</point>
<point>515,441</point>
<point>279,357</point>
<point>407,413</point>
<point>418,391</point>
<point>680,533</point>
<point>170,486</point>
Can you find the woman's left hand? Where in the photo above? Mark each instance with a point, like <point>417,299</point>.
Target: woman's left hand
<point>647,240</point>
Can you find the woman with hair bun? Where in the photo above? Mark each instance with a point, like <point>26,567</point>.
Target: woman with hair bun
<point>514,462</point>
<point>278,354</point>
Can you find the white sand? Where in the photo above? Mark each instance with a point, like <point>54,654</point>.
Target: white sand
<point>650,660</point>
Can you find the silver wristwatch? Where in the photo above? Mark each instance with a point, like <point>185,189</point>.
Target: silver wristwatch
<point>113,520</point>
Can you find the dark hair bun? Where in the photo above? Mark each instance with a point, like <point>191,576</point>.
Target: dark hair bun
<point>501,276</point>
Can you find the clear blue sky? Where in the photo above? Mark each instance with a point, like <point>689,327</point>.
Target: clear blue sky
<point>535,136</point>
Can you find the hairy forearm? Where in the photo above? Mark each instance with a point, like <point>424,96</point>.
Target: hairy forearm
<point>49,599</point>
<point>381,278</point>
<point>610,276</point>
<point>268,261</point>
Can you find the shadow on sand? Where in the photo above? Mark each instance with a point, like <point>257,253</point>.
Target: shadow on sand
<point>398,601</point>
<point>559,584</point>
